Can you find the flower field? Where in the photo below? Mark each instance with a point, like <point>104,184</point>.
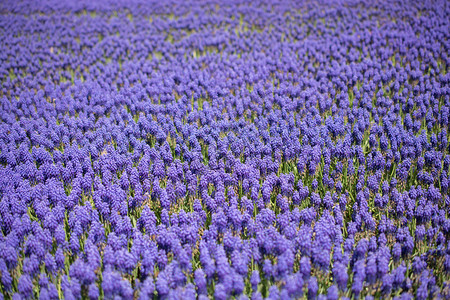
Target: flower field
<point>224,149</point>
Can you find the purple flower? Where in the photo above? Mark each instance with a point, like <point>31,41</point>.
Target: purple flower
<point>59,258</point>
<point>220,293</point>
<point>294,285</point>
<point>333,293</point>
<point>254,279</point>
<point>312,288</point>
<point>274,293</point>
<point>386,284</point>
<point>396,251</point>
<point>305,267</point>
<point>147,289</point>
<point>340,275</point>
<point>25,286</point>
<point>93,291</point>
<point>200,281</point>
<point>157,162</point>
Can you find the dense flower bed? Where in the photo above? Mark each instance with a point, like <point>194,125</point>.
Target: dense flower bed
<point>195,149</point>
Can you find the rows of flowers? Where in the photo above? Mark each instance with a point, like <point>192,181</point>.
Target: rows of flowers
<point>209,150</point>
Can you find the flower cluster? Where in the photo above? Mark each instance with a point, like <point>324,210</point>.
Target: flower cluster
<point>198,149</point>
